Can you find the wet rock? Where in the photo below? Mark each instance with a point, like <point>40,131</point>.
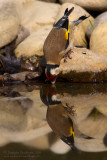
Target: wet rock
<point>84,66</point>
<point>98,39</point>
<point>3,141</point>
<point>87,118</point>
<point>33,45</point>
<point>22,76</point>
<point>20,120</point>
<point>39,109</point>
<point>39,143</point>
<point>36,14</point>
<point>97,143</point>
<point>9,21</point>
<point>89,4</point>
<point>84,111</point>
<point>94,145</point>
<point>59,147</point>
<point>80,30</point>
<point>102,18</point>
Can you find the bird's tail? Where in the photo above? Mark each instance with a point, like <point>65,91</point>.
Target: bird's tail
<point>61,22</point>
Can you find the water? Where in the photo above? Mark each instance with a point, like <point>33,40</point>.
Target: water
<point>34,118</point>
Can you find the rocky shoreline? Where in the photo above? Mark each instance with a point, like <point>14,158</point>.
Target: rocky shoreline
<point>28,22</point>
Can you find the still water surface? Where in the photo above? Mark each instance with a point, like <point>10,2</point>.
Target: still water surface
<point>41,121</point>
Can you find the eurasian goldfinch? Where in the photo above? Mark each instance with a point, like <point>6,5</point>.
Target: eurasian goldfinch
<point>58,43</point>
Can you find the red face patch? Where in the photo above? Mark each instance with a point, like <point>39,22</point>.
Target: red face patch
<point>51,77</point>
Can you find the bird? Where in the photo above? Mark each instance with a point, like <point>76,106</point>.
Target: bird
<point>60,117</point>
<point>58,43</point>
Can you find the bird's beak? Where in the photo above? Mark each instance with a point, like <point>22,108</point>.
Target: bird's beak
<point>54,80</point>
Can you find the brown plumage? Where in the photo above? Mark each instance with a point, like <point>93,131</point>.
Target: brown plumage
<point>53,40</point>
<point>59,42</point>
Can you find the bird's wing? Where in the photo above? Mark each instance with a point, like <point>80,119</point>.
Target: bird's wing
<point>55,43</point>
<point>80,19</point>
<point>58,39</point>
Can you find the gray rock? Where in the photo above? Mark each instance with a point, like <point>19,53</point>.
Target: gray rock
<point>9,21</point>
<point>85,66</point>
<point>95,5</point>
<point>98,39</point>
<point>102,18</point>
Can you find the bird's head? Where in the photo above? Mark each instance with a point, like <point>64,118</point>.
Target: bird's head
<point>52,72</point>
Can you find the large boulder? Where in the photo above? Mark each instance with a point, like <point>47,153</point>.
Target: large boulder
<point>36,14</point>
<point>33,45</point>
<point>22,118</point>
<point>100,19</point>
<point>38,17</point>
<point>95,5</point>
<point>98,39</point>
<point>9,21</point>
<point>84,66</point>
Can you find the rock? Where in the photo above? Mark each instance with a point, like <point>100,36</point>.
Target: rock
<point>102,18</point>
<point>79,32</point>
<point>3,141</point>
<point>26,1</point>
<point>60,147</point>
<point>88,117</point>
<point>38,109</point>
<point>85,66</point>
<point>96,5</point>
<point>39,143</point>
<point>86,111</point>
<point>98,39</point>
<point>9,21</point>
<point>19,120</point>
<point>48,0</point>
<point>23,33</point>
<point>102,110</point>
<point>33,45</point>
<point>94,145</point>
<point>97,143</point>
<point>36,14</point>
<point>22,76</point>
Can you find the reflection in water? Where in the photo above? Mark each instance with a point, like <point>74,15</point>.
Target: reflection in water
<point>76,113</point>
<point>61,117</point>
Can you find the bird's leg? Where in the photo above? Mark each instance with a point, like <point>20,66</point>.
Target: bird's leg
<point>70,109</point>
<point>67,55</point>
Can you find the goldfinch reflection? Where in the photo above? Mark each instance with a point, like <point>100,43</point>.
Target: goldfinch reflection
<point>60,118</point>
